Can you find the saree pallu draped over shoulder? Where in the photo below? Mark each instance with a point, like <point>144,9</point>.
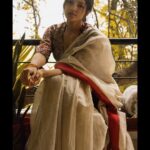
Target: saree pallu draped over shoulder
<point>63,115</point>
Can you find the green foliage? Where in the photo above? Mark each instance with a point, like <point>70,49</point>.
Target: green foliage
<point>16,54</point>
<point>33,15</point>
<point>18,88</point>
<point>118,19</point>
<point>25,56</point>
<point>20,53</point>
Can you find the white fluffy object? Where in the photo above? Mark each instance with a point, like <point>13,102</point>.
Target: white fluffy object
<point>130,100</point>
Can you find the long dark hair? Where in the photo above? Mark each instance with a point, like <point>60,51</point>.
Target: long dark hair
<point>89,4</point>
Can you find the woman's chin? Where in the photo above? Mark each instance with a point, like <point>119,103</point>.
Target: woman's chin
<point>71,20</point>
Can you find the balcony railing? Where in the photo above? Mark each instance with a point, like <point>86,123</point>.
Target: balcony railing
<point>125,41</point>
<point>114,41</point>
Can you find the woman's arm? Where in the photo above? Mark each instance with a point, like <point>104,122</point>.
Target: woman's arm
<point>45,73</point>
<point>29,75</point>
<point>38,59</point>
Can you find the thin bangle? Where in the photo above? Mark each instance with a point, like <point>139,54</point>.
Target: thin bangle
<point>32,65</point>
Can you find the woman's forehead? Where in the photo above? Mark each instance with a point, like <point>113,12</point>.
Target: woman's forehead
<point>79,1</point>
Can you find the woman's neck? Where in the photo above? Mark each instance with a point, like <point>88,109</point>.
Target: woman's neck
<point>74,27</point>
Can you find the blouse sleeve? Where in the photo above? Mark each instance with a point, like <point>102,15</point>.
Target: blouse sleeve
<point>45,44</point>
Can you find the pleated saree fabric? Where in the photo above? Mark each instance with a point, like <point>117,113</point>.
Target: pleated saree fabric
<point>63,115</point>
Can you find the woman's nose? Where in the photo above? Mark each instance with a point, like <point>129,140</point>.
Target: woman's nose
<point>74,6</point>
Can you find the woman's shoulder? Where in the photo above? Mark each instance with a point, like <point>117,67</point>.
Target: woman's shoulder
<point>56,27</point>
<point>94,31</point>
<point>98,31</point>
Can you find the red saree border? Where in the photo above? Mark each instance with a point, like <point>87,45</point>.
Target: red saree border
<point>113,118</point>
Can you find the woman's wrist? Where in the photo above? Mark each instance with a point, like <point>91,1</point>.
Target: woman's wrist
<point>32,65</point>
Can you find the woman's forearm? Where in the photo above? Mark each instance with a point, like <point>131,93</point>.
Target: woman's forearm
<point>46,73</point>
<point>38,59</point>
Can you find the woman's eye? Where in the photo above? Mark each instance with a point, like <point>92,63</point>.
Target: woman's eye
<point>80,6</point>
<point>70,2</point>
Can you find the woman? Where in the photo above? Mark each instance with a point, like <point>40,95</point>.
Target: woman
<point>64,115</point>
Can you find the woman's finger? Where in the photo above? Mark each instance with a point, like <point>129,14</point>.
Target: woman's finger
<point>24,77</point>
<point>33,72</point>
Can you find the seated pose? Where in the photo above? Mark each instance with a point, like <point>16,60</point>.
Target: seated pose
<point>76,106</point>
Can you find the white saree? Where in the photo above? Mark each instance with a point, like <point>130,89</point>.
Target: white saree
<point>63,115</point>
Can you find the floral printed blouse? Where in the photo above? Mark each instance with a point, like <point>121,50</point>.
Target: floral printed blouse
<point>52,40</point>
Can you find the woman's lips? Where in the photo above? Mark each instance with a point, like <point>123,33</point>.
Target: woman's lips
<point>71,14</point>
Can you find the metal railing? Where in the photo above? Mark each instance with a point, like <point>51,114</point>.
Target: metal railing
<point>125,41</point>
<point>112,40</point>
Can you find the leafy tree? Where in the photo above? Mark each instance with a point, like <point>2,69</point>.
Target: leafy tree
<point>115,18</point>
<point>33,15</point>
<point>118,19</point>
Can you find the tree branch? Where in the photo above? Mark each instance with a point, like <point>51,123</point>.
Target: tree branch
<point>97,24</point>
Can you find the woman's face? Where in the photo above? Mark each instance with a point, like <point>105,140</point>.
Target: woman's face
<point>75,10</point>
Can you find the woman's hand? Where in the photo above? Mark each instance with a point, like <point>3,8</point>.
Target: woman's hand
<point>46,73</point>
<point>30,76</point>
